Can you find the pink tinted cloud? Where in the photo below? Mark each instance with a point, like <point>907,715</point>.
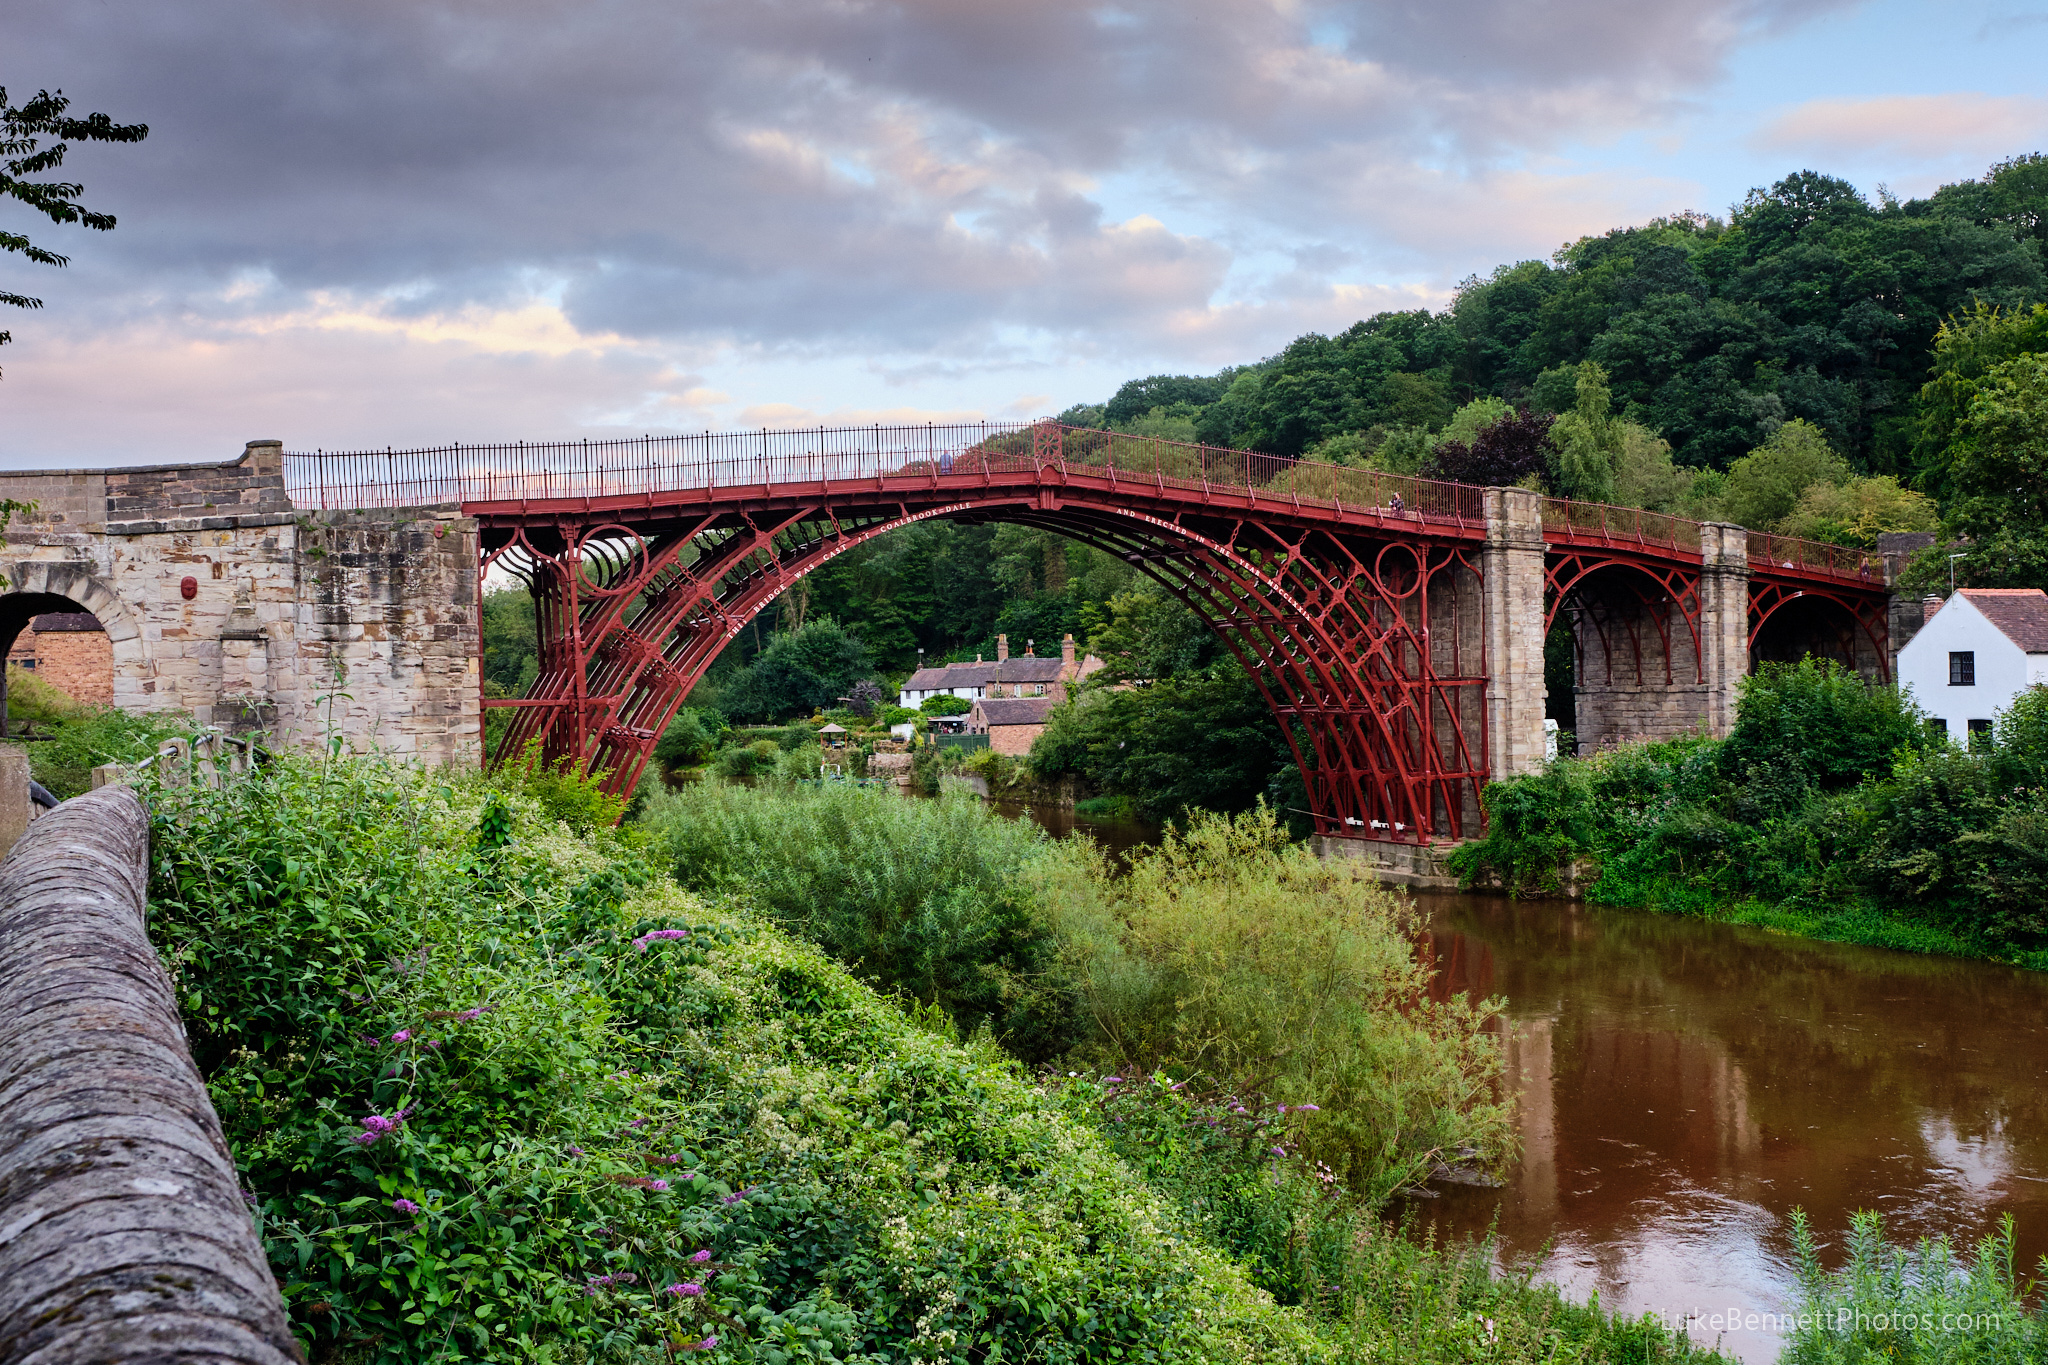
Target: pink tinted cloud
<point>1943,128</point>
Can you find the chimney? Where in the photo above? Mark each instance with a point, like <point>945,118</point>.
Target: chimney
<point>1067,649</point>
<point>1002,648</point>
<point>977,658</point>
<point>1028,646</point>
<point>1929,605</point>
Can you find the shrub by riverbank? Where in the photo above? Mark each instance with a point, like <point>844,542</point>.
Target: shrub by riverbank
<point>1228,952</point>
<point>1830,810</point>
<point>501,1093</point>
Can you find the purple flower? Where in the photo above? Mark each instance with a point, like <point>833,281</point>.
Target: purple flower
<point>433,1042</point>
<point>1112,1080</point>
<point>370,1040</point>
<point>575,1151</point>
<point>734,1198</point>
<point>402,1035</point>
<point>1307,1109</point>
<point>700,1257</point>
<point>642,941</point>
<point>1279,1151</point>
<point>469,1016</point>
<point>703,1345</point>
<point>637,1123</point>
<point>405,1206</point>
<point>686,1290</point>
<point>657,1185</point>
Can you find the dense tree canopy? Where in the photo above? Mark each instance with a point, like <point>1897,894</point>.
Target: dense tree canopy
<point>1809,302</point>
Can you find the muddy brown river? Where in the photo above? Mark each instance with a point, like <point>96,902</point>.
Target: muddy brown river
<point>1682,1086</point>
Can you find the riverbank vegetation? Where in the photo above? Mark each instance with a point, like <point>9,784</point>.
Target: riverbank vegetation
<point>1920,1305</point>
<point>1830,810</point>
<point>503,1092</point>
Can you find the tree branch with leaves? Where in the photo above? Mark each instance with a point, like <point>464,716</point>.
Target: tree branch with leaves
<point>34,137</point>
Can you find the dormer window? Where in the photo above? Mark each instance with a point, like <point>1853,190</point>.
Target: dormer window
<point>1962,668</point>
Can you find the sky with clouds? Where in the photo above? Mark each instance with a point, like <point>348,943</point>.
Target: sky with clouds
<point>360,223</point>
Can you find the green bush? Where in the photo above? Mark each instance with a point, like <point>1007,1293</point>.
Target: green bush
<point>690,740</point>
<point>1232,953</point>
<point>925,898</point>
<point>69,747</point>
<point>494,1097</point>
<point>749,760</point>
<point>1822,720</point>
<point>1828,800</point>
<point>945,704</point>
<point>561,790</point>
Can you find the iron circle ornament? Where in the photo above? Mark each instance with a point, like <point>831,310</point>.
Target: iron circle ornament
<point>604,566</point>
<point>189,588</point>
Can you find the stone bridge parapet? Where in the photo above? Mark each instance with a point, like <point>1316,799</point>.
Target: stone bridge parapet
<point>220,598</point>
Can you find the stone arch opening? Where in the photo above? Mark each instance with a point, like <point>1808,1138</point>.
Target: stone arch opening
<point>1788,627</point>
<point>105,661</point>
<point>1633,663</point>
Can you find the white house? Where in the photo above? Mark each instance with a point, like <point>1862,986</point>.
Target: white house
<point>1027,676</point>
<point>1977,651</point>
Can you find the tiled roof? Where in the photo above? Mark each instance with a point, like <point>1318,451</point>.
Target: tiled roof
<point>2021,614</point>
<point>1018,668</point>
<point>1015,710</point>
<point>1029,668</point>
<point>67,620</point>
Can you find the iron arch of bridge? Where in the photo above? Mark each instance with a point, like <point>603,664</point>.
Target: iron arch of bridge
<point>1363,640</point>
<point>1594,589</point>
<point>1848,625</point>
<point>1359,601</point>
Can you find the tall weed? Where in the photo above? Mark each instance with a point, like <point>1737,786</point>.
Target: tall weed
<point>1924,1305</point>
<point>926,898</point>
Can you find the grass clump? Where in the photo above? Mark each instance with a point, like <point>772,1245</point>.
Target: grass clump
<point>66,739</point>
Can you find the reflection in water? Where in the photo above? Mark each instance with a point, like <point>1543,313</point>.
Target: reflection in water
<point>1118,837</point>
<point>1682,1086</point>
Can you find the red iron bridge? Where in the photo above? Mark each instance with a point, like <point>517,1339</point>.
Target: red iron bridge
<point>1395,625</point>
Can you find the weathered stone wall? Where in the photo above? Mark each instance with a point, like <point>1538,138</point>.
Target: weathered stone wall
<point>365,622</point>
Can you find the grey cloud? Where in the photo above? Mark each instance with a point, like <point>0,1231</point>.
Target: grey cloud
<point>785,171</point>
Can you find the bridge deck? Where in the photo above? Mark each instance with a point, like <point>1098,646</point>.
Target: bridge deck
<point>637,480</point>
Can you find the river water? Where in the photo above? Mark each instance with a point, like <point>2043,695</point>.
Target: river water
<point>1681,1086</point>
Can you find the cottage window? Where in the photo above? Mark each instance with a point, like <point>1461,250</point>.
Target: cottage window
<point>1937,727</point>
<point>1980,736</point>
<point>1962,669</point>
